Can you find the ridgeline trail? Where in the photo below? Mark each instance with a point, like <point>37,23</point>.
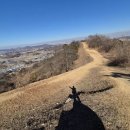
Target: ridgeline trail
<point>48,92</point>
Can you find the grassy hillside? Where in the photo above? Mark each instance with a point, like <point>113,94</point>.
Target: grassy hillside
<point>61,62</point>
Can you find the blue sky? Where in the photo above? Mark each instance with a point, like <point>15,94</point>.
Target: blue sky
<point>32,21</point>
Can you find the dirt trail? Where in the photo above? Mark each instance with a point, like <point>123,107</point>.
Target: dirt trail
<point>55,84</point>
<point>68,78</point>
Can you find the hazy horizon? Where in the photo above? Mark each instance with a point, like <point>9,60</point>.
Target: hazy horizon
<point>112,35</point>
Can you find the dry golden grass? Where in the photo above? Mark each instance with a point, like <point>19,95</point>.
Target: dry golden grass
<point>39,99</point>
<point>119,51</point>
<point>110,105</point>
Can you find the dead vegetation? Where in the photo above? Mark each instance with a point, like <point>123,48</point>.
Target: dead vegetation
<point>62,61</point>
<point>119,51</point>
<point>101,96</point>
<point>31,110</point>
<point>102,103</point>
<point>6,84</point>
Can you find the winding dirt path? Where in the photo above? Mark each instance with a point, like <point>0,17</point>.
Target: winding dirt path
<point>67,79</point>
<point>49,87</point>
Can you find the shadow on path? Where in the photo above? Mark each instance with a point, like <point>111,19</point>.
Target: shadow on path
<point>80,117</point>
<point>119,75</point>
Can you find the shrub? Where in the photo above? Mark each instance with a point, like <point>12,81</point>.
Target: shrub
<point>101,42</point>
<point>61,62</point>
<point>118,61</point>
<point>121,55</point>
<point>119,50</point>
<point>94,41</point>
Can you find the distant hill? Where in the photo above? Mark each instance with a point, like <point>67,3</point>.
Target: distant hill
<point>123,34</point>
<point>45,45</point>
<point>125,38</point>
<point>27,48</point>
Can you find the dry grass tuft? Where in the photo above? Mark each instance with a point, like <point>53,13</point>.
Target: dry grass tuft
<point>119,50</point>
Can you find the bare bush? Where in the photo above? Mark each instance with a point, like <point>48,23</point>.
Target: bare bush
<point>61,62</point>
<point>119,50</point>
<point>101,42</point>
<point>94,41</point>
<point>121,54</point>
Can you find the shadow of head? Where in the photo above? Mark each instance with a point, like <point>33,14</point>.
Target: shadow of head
<point>39,128</point>
<point>120,75</point>
<point>80,117</point>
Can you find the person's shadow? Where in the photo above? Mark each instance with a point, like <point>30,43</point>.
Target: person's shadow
<point>80,117</point>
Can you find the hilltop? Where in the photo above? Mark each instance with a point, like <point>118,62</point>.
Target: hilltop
<point>46,103</point>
